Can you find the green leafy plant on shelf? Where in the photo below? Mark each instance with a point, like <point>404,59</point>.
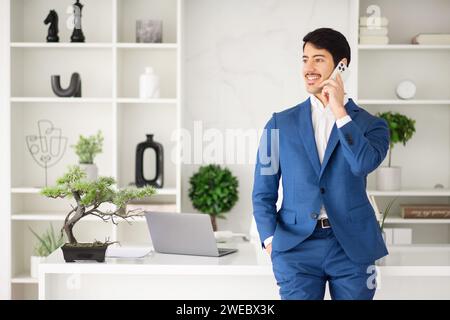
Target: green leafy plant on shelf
<point>214,191</point>
<point>386,213</point>
<point>401,129</point>
<point>90,195</point>
<point>47,242</point>
<point>88,147</point>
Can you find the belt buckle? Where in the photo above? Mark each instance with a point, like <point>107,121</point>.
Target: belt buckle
<point>321,224</point>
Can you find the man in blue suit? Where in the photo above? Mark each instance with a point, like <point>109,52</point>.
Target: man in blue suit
<point>323,149</point>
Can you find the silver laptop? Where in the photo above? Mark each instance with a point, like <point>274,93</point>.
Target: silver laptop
<point>184,233</point>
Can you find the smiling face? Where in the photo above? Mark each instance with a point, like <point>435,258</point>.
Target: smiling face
<point>318,65</point>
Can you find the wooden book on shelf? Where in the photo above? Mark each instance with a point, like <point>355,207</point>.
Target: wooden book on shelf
<point>425,211</point>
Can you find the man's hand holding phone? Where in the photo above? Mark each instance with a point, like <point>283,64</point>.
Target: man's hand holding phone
<point>333,91</point>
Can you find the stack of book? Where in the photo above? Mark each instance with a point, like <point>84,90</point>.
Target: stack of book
<point>373,30</point>
<point>425,211</point>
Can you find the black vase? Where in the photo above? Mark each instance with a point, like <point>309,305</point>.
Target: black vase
<point>158,180</point>
<point>73,90</point>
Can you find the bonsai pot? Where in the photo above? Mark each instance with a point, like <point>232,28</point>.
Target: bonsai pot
<point>389,178</point>
<point>84,251</point>
<point>91,171</point>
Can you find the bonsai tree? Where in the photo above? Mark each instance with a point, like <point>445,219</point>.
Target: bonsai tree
<point>213,191</point>
<point>90,195</point>
<point>88,147</point>
<point>401,129</point>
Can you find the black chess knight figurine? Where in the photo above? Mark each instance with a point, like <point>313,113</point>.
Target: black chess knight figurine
<point>77,34</point>
<point>52,18</point>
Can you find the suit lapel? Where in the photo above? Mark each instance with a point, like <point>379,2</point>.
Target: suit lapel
<point>307,134</point>
<point>352,110</point>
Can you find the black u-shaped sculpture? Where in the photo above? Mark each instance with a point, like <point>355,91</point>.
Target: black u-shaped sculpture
<point>74,89</point>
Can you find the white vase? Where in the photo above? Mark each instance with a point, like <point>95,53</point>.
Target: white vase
<point>91,171</point>
<point>149,85</point>
<point>34,265</point>
<point>389,178</point>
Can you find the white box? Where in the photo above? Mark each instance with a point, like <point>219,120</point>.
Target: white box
<point>402,236</point>
<point>389,235</point>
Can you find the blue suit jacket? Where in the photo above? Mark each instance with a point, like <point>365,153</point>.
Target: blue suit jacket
<point>352,152</point>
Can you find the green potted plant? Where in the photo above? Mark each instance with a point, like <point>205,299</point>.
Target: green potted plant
<point>90,197</point>
<point>47,243</point>
<point>86,149</point>
<point>401,129</point>
<point>214,191</point>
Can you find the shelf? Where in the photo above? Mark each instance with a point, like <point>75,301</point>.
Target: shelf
<point>419,247</point>
<point>402,102</point>
<point>42,216</point>
<point>146,101</point>
<point>400,220</point>
<point>162,191</point>
<point>412,193</point>
<point>93,45</point>
<point>60,100</point>
<point>411,47</point>
<point>130,45</point>
<point>24,278</point>
<point>25,190</point>
<point>91,100</point>
<point>166,191</point>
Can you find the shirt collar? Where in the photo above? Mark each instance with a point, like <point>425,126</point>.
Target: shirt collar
<point>317,105</point>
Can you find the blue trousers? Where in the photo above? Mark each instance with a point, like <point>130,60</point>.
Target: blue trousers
<point>302,272</point>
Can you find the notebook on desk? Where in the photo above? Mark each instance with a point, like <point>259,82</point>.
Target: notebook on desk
<point>184,233</point>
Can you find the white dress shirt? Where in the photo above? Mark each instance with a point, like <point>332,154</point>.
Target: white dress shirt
<point>323,121</point>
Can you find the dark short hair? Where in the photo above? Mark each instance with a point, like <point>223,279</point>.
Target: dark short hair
<point>331,40</point>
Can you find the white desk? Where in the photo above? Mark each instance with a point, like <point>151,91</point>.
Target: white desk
<point>408,273</point>
<point>246,274</point>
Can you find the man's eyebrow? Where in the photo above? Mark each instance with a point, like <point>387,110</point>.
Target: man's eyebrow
<point>316,55</point>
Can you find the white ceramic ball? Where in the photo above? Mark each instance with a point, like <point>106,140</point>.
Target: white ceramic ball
<point>406,89</point>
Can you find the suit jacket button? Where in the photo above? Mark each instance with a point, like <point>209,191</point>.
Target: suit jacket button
<point>322,190</point>
<point>314,215</point>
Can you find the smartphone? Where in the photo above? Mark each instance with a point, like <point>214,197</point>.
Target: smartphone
<point>342,69</point>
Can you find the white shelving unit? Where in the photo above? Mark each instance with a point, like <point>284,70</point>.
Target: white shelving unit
<point>425,160</point>
<point>109,63</point>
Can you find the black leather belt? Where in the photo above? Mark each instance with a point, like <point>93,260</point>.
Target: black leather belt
<point>323,223</point>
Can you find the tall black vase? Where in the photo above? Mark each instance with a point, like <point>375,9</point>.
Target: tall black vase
<point>158,180</point>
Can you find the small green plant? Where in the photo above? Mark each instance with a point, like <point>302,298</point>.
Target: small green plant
<point>401,128</point>
<point>386,212</point>
<point>90,195</point>
<point>47,242</point>
<point>214,191</point>
<point>88,147</point>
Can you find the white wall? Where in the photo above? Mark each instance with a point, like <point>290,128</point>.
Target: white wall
<point>242,61</point>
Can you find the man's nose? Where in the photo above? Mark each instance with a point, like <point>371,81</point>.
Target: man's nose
<point>308,67</point>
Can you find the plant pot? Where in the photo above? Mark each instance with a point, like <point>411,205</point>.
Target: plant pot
<point>34,265</point>
<point>91,171</point>
<point>389,178</point>
<point>84,251</point>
